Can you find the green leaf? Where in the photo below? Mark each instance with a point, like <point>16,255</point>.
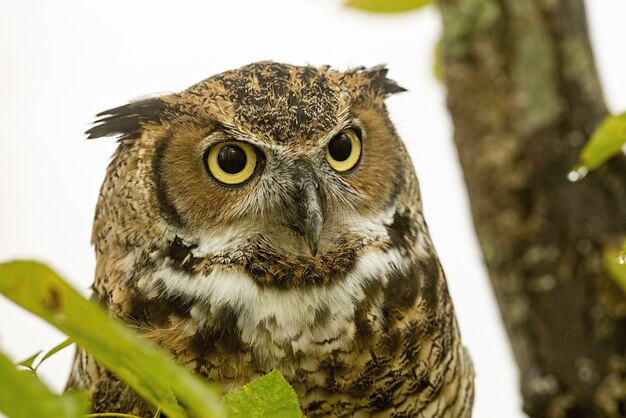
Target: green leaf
<point>614,267</point>
<point>28,363</point>
<point>387,6</point>
<point>55,350</point>
<point>22,395</point>
<point>438,60</point>
<point>606,142</point>
<point>268,396</point>
<point>133,359</point>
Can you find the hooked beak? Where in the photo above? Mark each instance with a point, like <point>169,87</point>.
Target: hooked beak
<point>311,206</point>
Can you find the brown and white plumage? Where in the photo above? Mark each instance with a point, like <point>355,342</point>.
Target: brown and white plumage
<point>327,275</point>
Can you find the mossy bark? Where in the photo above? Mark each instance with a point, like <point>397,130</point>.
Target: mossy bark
<point>524,96</point>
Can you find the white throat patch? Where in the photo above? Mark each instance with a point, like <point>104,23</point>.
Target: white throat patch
<point>271,318</point>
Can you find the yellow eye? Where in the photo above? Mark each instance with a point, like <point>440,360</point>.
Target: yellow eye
<point>232,162</point>
<point>344,150</point>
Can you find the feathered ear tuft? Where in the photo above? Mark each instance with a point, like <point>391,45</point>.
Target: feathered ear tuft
<point>379,81</point>
<point>127,120</point>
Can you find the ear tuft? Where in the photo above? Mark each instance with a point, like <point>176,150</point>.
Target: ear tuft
<point>127,120</point>
<point>379,81</point>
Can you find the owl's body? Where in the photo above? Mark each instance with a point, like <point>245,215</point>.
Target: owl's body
<point>269,217</point>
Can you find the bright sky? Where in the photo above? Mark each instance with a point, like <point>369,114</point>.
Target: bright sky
<point>63,62</point>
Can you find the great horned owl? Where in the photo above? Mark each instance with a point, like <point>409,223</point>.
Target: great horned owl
<point>269,217</point>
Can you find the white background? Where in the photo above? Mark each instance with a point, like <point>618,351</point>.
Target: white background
<point>62,62</point>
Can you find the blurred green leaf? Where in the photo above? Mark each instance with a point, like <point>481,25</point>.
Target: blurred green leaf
<point>614,267</point>
<point>438,60</point>
<point>268,396</point>
<point>28,363</point>
<point>22,395</point>
<point>55,350</point>
<point>606,142</point>
<point>387,6</point>
<point>133,359</point>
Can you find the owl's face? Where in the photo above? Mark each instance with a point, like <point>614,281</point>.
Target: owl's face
<point>302,162</point>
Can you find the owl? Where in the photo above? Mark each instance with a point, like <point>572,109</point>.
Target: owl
<point>270,217</point>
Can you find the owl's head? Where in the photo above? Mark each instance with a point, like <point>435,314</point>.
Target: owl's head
<point>267,167</point>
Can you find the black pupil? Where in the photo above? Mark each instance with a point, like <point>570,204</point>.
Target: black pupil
<point>231,159</point>
<point>340,147</point>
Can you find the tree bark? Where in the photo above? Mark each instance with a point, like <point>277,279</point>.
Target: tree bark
<point>524,96</point>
